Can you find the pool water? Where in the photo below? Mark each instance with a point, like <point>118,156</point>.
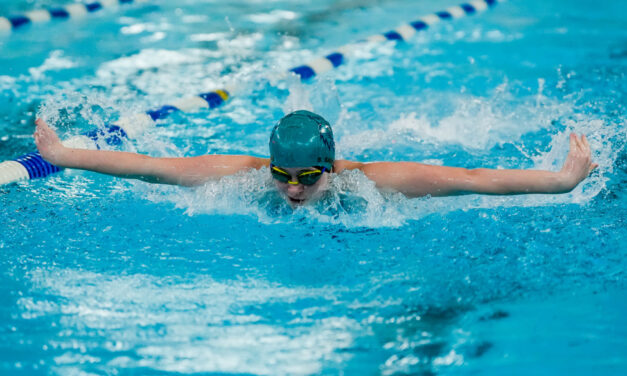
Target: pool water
<point>100,275</point>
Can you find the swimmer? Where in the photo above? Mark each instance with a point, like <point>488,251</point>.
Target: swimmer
<point>302,159</point>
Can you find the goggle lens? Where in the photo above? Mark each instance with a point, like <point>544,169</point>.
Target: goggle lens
<point>305,178</point>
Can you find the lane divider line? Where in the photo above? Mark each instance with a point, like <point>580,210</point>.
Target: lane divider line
<point>75,10</point>
<point>133,125</point>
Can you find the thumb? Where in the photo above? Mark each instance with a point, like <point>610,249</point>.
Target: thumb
<point>593,167</point>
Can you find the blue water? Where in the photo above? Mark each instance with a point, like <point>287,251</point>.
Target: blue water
<point>104,276</point>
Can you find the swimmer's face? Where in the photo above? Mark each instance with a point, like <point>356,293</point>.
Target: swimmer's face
<point>301,194</point>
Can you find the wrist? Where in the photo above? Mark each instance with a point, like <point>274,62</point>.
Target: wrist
<point>60,156</point>
<point>566,181</point>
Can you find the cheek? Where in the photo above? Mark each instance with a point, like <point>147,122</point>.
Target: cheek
<point>282,187</point>
<point>320,186</point>
<point>309,190</point>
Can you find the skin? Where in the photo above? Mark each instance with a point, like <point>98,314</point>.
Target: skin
<point>410,178</point>
<point>300,194</point>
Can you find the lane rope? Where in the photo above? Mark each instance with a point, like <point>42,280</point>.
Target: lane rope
<point>32,165</point>
<point>75,10</point>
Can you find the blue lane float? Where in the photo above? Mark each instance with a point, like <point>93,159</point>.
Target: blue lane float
<point>400,34</point>
<point>36,166</point>
<point>76,10</point>
<point>31,165</point>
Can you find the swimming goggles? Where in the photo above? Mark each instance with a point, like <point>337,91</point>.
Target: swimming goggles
<point>309,177</point>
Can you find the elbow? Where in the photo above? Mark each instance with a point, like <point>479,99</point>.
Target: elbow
<point>490,182</point>
<point>475,180</point>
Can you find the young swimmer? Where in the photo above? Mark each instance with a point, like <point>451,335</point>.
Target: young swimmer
<point>302,157</point>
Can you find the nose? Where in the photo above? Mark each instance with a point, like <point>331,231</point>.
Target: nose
<point>294,189</point>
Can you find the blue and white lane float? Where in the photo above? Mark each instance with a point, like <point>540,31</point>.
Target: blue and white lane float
<point>76,10</point>
<point>32,165</point>
<point>402,33</point>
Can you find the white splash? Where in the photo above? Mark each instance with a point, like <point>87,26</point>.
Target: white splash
<point>187,317</point>
<point>54,62</point>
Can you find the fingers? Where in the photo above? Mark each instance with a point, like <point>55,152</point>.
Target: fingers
<point>37,133</point>
<point>579,143</point>
<point>587,148</point>
<point>580,154</point>
<point>43,130</point>
<point>45,137</point>
<point>573,141</point>
<point>41,124</point>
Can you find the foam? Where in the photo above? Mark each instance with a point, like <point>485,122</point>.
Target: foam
<point>191,311</point>
<point>475,123</point>
<point>54,62</point>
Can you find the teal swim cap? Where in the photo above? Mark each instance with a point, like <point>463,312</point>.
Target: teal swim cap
<point>302,139</point>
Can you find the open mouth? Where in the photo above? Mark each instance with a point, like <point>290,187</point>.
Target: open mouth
<point>296,201</point>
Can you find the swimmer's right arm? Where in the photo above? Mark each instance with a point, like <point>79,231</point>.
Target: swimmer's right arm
<point>177,171</point>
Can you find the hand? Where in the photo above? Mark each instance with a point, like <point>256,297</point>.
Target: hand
<point>48,143</point>
<point>578,164</point>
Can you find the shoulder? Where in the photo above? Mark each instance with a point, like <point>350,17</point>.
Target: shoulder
<point>255,162</point>
<point>236,161</point>
<point>342,164</point>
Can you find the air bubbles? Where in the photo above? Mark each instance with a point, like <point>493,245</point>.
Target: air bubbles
<point>74,113</point>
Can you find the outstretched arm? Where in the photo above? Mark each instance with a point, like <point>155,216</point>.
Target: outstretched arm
<point>416,179</point>
<point>180,171</point>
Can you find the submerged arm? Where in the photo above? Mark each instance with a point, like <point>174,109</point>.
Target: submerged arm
<point>416,179</point>
<point>179,171</point>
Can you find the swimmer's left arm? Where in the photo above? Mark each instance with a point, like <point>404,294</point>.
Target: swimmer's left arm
<point>416,179</point>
